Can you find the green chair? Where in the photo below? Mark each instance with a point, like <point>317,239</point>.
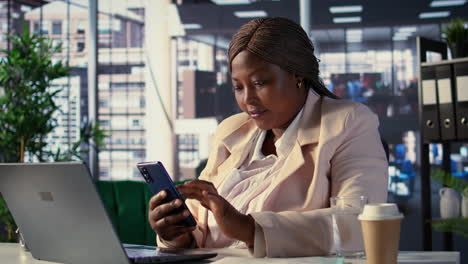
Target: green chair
<point>127,206</point>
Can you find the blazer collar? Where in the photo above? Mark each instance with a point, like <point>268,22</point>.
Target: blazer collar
<point>239,141</point>
<point>309,128</point>
<point>308,131</point>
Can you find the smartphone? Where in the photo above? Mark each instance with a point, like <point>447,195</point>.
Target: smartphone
<point>158,179</point>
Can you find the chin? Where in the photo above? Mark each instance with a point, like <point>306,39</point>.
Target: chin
<point>263,125</point>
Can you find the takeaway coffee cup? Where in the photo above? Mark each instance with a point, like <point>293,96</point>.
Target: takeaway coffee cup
<point>381,232</point>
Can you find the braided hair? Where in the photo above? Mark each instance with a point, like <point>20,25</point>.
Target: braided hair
<point>284,43</point>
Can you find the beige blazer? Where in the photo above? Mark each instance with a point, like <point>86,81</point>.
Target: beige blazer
<point>338,152</point>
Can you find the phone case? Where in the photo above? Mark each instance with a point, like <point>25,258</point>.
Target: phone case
<point>158,179</point>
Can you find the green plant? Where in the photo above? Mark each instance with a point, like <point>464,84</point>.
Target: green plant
<point>456,32</point>
<point>448,180</point>
<point>456,36</point>
<point>90,136</point>
<point>27,109</point>
<point>455,225</point>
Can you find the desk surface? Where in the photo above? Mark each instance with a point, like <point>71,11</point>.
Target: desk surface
<point>11,253</point>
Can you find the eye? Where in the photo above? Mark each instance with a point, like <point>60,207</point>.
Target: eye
<point>259,83</point>
<point>236,88</point>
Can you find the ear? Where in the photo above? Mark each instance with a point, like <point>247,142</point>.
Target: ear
<point>298,79</point>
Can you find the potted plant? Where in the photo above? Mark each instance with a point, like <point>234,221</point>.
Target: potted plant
<point>456,36</point>
<point>27,109</point>
<point>456,225</point>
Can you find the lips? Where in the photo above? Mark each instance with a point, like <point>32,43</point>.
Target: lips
<point>257,113</point>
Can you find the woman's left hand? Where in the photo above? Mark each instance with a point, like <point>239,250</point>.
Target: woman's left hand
<point>231,222</point>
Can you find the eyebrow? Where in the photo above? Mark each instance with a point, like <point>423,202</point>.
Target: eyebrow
<point>260,69</point>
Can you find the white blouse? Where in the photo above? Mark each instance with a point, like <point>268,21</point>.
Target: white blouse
<point>245,187</point>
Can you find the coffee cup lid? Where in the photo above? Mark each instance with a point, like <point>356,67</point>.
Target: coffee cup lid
<point>380,211</point>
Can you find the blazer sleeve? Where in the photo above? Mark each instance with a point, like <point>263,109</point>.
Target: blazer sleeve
<point>357,167</point>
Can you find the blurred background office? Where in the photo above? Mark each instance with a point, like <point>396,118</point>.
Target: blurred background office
<point>154,74</point>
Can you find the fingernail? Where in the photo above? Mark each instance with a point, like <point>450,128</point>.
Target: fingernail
<point>163,194</point>
<point>177,202</point>
<point>186,213</point>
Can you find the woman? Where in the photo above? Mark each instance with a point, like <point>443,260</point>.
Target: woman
<point>274,167</point>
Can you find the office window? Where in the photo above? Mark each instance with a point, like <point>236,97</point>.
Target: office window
<point>139,154</point>
<point>104,123</point>
<point>103,103</point>
<point>80,46</point>
<point>119,122</point>
<point>103,173</point>
<point>36,27</point>
<point>118,60</point>
<point>187,149</point>
<point>56,27</point>
<point>81,26</point>
<point>45,27</point>
<point>136,123</point>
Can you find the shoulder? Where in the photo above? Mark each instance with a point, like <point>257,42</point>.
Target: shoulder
<point>346,115</point>
<point>231,124</point>
<point>346,109</point>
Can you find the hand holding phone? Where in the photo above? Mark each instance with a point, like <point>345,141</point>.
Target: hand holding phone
<point>169,216</point>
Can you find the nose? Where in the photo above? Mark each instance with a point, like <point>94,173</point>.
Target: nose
<point>250,95</point>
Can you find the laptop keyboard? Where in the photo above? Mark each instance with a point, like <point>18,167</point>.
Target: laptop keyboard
<point>145,254</point>
<point>140,255</point>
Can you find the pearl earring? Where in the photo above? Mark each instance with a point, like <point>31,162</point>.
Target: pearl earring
<point>299,84</point>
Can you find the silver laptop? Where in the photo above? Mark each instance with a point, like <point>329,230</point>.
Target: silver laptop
<point>62,217</point>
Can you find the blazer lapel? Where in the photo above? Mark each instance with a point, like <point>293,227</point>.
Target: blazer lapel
<point>293,162</point>
<point>309,129</point>
<point>239,144</point>
<point>308,133</point>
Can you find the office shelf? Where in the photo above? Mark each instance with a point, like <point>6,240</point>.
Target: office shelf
<point>423,46</point>
<point>444,62</point>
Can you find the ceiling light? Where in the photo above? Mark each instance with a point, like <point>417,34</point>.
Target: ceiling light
<point>345,9</point>
<point>249,14</point>
<point>407,29</point>
<point>434,14</point>
<point>192,26</point>
<point>338,20</point>
<point>448,3</point>
<point>231,2</point>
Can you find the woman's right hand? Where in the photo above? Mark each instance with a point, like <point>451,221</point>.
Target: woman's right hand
<point>164,221</point>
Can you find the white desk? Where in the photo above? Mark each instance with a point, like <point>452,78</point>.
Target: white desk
<point>11,253</point>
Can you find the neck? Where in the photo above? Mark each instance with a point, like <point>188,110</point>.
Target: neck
<point>278,132</point>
